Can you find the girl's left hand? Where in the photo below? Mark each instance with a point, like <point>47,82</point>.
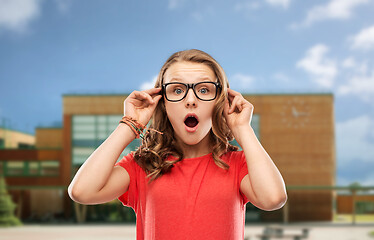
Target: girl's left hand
<point>237,111</point>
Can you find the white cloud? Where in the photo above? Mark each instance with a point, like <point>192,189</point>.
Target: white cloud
<point>242,81</point>
<point>361,85</point>
<point>202,13</point>
<point>281,77</point>
<point>322,69</point>
<point>173,4</point>
<point>354,67</point>
<point>282,3</point>
<point>335,9</point>
<point>246,6</point>
<point>349,62</point>
<point>365,181</point>
<point>16,15</point>
<point>197,16</point>
<point>63,5</point>
<point>148,85</point>
<point>353,142</point>
<point>364,40</point>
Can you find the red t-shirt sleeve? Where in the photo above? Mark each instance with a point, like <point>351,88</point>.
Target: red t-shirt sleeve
<point>129,198</point>
<point>243,171</point>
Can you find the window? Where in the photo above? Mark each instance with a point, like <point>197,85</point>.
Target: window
<point>255,124</point>
<point>49,168</point>
<point>30,168</point>
<point>15,168</point>
<point>89,131</point>
<point>25,146</point>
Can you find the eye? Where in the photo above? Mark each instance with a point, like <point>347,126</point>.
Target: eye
<point>204,90</point>
<point>178,90</point>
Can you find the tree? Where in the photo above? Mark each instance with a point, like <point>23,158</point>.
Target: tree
<point>7,207</point>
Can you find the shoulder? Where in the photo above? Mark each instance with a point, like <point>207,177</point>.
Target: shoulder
<point>127,160</point>
<point>129,163</point>
<point>233,156</point>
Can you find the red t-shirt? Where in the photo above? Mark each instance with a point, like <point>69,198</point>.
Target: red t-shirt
<point>195,200</point>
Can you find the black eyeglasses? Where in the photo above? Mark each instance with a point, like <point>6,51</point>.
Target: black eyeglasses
<point>176,91</point>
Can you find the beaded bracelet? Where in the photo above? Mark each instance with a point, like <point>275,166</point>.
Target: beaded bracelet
<point>136,126</point>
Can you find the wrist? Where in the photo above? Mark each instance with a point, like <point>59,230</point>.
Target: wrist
<point>126,130</point>
<point>242,132</point>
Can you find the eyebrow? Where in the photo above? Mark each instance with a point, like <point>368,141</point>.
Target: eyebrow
<point>176,79</point>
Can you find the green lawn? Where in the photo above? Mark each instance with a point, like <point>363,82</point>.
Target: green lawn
<point>359,218</point>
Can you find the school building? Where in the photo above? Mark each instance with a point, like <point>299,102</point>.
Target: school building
<point>297,130</point>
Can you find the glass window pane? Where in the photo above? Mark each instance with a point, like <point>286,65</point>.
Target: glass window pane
<point>255,123</point>
<point>83,151</point>
<point>34,168</point>
<point>83,119</point>
<point>83,127</point>
<point>88,132</point>
<point>50,168</point>
<point>113,121</point>
<point>15,168</point>
<point>84,135</point>
<point>85,143</point>
<point>15,164</point>
<point>102,119</point>
<point>102,127</point>
<point>102,135</point>
<point>79,159</point>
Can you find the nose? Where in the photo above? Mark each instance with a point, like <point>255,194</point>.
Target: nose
<point>191,100</point>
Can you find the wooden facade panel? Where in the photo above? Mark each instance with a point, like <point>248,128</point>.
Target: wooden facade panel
<point>49,155</point>
<point>18,154</point>
<point>67,158</point>
<point>93,104</point>
<point>30,155</point>
<point>345,202</point>
<point>48,138</point>
<point>34,181</point>
<point>13,139</point>
<point>310,206</point>
<point>296,130</point>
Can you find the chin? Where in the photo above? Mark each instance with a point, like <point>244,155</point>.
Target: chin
<point>192,139</point>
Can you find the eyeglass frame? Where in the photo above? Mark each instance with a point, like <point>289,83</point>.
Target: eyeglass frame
<point>188,86</point>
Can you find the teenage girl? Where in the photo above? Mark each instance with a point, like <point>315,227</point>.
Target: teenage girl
<point>185,181</point>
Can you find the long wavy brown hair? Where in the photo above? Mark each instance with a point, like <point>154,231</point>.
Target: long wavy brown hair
<point>152,155</point>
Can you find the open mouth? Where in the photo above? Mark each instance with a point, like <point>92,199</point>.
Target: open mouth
<point>191,121</point>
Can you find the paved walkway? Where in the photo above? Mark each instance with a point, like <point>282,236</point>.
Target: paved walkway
<point>127,232</point>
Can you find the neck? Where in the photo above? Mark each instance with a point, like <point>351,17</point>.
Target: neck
<point>198,150</point>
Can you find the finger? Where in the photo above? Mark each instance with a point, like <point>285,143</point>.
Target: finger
<point>156,99</point>
<point>145,96</point>
<point>233,92</point>
<point>234,104</point>
<point>138,99</point>
<point>158,93</point>
<point>230,98</point>
<point>153,91</point>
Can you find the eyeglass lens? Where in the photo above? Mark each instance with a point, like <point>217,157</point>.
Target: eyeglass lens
<point>177,91</point>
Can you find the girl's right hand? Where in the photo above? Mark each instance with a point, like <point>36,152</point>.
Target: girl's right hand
<point>140,105</point>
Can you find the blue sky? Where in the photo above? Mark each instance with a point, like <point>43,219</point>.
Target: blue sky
<point>56,47</point>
